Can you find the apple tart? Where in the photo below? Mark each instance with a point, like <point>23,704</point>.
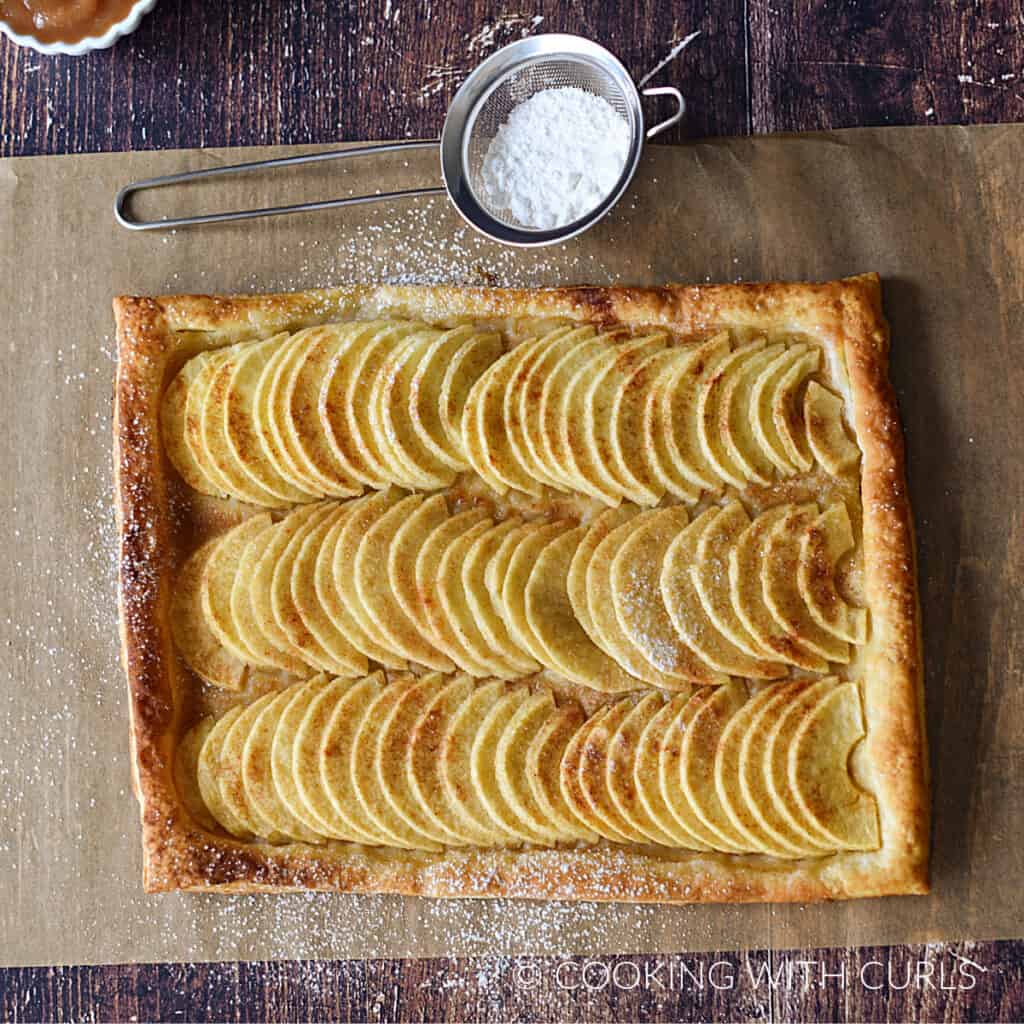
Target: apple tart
<point>572,593</point>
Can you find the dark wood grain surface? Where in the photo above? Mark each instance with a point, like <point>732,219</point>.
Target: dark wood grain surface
<point>962,982</point>
<point>279,71</point>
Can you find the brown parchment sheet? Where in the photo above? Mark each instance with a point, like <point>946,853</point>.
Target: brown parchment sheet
<point>937,211</point>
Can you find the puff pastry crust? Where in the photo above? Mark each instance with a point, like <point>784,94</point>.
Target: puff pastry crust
<point>161,522</point>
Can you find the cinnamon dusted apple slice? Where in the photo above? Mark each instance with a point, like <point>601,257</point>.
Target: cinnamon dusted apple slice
<point>532,713</point>
<point>543,772</point>
<point>710,406</point>
<point>823,544</point>
<point>672,767</point>
<point>497,569</point>
<point>710,573</point>
<point>761,806</point>
<point>485,769</point>
<point>282,750</point>
<point>303,421</point>
<point>819,774</point>
<point>326,731</point>
<point>638,604</point>
<point>338,396</point>
<point>329,597</point>
<point>533,540</point>
<point>728,784</point>
<point>243,611</point>
<point>576,582</point>
<point>598,593</point>
<point>457,767</point>
<point>485,614</point>
<point>550,619</point>
<point>413,534</point>
<point>423,763</point>
<point>378,601</point>
<point>312,612</point>
<point>602,453</point>
<point>456,611</point>
<point>349,539</point>
<point>787,409</point>
<point>247,446</point>
<point>231,779</point>
<point>268,430</point>
<point>186,772</point>
<point>365,777</point>
<point>775,765</point>
<point>344,809</point>
<point>213,434</point>
<point>666,366</point>
<point>558,392</point>
<point>572,781</point>
<point>283,429</point>
<point>208,769</point>
<point>262,580</point>
<point>488,444</point>
<point>585,413</point>
<point>826,435</point>
<point>688,616</point>
<point>427,395</point>
<point>679,413</point>
<point>391,417</point>
<point>302,640</point>
<point>195,405</point>
<point>172,427</point>
<point>217,581</point>
<point>635,459</point>
<point>302,736</point>
<point>746,571</point>
<point>435,624</point>
<point>515,407</point>
<point>734,422</point>
<point>473,358</point>
<point>780,569</point>
<point>390,758</point>
<point>697,765</point>
<point>762,401</point>
<point>620,765</point>
<point>258,770</point>
<point>647,773</point>
<point>530,395</point>
<point>197,643</point>
<point>360,407</point>
<point>593,772</point>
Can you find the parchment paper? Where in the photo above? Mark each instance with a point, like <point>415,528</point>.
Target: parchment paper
<point>936,210</point>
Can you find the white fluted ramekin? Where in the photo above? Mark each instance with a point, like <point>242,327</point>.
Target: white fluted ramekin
<point>121,28</point>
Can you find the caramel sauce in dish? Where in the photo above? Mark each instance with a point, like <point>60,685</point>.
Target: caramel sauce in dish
<point>63,21</point>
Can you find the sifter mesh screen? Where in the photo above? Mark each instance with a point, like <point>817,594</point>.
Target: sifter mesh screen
<point>517,86</point>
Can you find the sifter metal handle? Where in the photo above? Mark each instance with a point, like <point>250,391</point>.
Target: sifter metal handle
<point>666,90</point>
<point>125,219</point>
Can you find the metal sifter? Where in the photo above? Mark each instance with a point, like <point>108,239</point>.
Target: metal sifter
<point>480,107</point>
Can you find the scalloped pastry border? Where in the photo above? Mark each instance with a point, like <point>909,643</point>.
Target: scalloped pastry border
<point>846,316</point>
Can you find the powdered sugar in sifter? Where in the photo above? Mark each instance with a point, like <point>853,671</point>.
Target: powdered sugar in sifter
<point>482,104</point>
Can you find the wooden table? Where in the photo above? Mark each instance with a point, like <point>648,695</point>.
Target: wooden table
<point>268,71</point>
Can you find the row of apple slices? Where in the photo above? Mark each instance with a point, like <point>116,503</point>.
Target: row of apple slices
<point>636,418</point>
<point>435,761</point>
<point>325,412</point>
<point>637,598</point>
<point>332,410</point>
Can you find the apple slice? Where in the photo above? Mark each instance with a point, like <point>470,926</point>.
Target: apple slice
<point>826,435</point>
